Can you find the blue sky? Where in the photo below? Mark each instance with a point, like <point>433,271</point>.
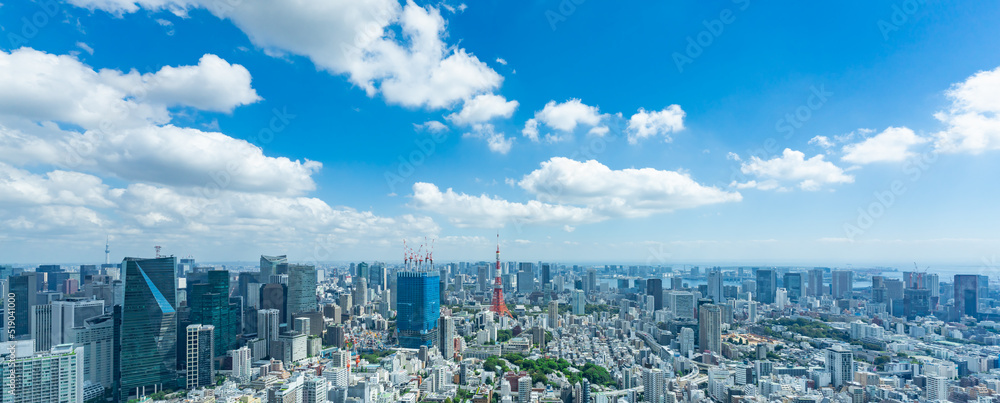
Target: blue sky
<point>570,128</point>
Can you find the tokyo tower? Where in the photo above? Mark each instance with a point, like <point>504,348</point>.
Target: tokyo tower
<point>497,305</point>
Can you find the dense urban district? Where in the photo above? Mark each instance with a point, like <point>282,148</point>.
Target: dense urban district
<point>168,329</point>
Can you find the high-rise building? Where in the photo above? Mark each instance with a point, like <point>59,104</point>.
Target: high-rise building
<point>654,384</point>
<point>200,351</point>
<point>546,274</point>
<point>840,363</point>
<point>360,291</point>
<point>794,286</point>
<point>55,375</point>
<point>242,364</point>
<point>682,304</point>
<point>275,296</point>
<point>209,303</point>
<point>268,325</point>
<point>314,390</point>
<point>96,336</point>
<point>553,314</point>
<point>418,308</point>
<point>937,389</point>
<point>916,302</point>
<point>715,286</point>
<point>842,283</point>
<point>966,295</point>
<point>24,287</point>
<point>591,282</point>
<point>147,342</point>
<point>579,302</point>
<point>767,286</point>
<point>710,328</point>
<point>446,328</point>
<point>525,282</point>
<point>269,265</point>
<point>654,287</point>
<point>301,290</point>
<point>686,341</point>
<point>816,287</point>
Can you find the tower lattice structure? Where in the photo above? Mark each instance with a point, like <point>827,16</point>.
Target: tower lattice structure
<point>498,305</point>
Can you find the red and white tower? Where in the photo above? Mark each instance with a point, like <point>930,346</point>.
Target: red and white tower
<point>498,305</point>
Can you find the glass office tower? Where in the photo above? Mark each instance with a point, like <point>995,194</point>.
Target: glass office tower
<point>146,349</point>
<point>418,308</point>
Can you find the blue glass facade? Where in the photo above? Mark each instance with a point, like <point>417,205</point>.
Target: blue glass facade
<point>146,353</point>
<point>418,308</point>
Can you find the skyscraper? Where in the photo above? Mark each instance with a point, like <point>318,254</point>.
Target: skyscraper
<point>553,314</point>
<point>200,345</point>
<point>147,356</point>
<point>446,328</point>
<point>241,364</point>
<point>274,296</point>
<point>546,274</point>
<point>816,288</point>
<point>710,328</point>
<point>418,308</point>
<point>591,283</point>
<point>715,286</point>
<point>794,286</point>
<point>840,363</point>
<point>579,302</point>
<point>767,286</point>
<point>966,295</point>
<point>25,290</point>
<point>209,303</point>
<point>654,287</point>
<point>301,290</point>
<point>268,323</point>
<point>842,283</point>
<point>360,291</point>
<point>269,266</point>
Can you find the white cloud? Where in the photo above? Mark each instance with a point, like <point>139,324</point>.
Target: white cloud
<point>432,126</point>
<point>821,141</point>
<point>19,187</point>
<point>892,145</point>
<point>85,47</point>
<point>792,166</point>
<point>497,141</point>
<point>45,87</point>
<point>501,61</point>
<point>482,211</point>
<point>530,129</point>
<point>644,124</point>
<point>568,115</point>
<point>483,108</point>
<point>973,119</point>
<point>733,156</point>
<point>212,85</point>
<point>381,46</point>
<point>628,192</point>
<point>123,120</point>
<point>570,193</point>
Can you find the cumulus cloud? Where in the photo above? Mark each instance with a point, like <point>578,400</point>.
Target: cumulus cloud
<point>627,192</point>
<point>496,141</point>
<point>645,124</point>
<point>821,141</point>
<point>892,145</point>
<point>464,210</point>
<point>973,119</point>
<point>569,193</point>
<point>381,46</point>
<point>792,167</point>
<point>483,108</point>
<point>124,124</point>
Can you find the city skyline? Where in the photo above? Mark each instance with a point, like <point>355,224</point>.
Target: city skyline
<point>844,139</point>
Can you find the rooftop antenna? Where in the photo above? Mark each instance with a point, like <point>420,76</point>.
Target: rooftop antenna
<point>157,247</point>
<point>107,250</point>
